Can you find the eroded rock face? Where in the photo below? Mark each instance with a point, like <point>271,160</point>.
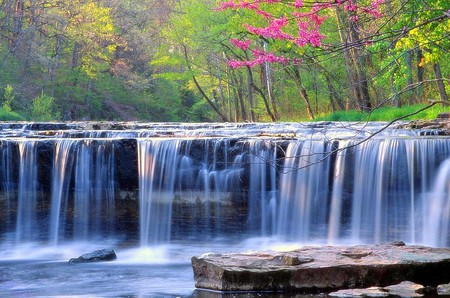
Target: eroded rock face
<point>323,269</point>
<point>102,255</point>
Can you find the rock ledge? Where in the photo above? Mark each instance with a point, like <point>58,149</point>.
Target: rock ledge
<point>323,269</point>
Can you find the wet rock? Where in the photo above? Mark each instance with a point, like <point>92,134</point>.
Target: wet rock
<point>406,289</point>
<point>443,290</point>
<point>323,269</point>
<point>367,292</point>
<point>289,260</point>
<point>102,255</point>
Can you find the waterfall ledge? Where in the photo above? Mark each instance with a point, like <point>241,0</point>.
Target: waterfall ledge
<point>323,269</point>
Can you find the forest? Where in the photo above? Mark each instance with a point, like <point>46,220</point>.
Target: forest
<point>212,60</point>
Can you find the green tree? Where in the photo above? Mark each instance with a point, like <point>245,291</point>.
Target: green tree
<point>8,98</point>
<point>43,109</point>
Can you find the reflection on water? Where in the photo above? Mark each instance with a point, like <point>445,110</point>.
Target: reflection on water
<point>161,271</point>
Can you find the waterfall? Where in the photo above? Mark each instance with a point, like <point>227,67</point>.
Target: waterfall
<point>26,229</point>
<point>262,203</point>
<point>437,209</point>
<point>163,183</point>
<point>367,193</point>
<point>158,161</point>
<point>304,190</point>
<point>62,169</point>
<point>82,181</point>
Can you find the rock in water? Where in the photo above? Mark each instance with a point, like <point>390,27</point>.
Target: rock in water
<point>406,289</point>
<point>102,255</point>
<point>323,269</point>
<point>443,290</point>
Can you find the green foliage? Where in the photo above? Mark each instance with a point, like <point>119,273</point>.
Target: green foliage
<point>43,109</point>
<point>386,114</point>
<point>8,98</point>
<point>10,116</point>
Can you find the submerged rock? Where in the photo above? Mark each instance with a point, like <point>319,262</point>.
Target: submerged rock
<point>367,292</point>
<point>323,269</point>
<point>102,255</point>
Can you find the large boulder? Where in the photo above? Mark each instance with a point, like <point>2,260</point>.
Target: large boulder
<point>323,269</point>
<point>102,255</point>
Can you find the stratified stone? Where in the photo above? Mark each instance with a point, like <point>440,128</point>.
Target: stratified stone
<point>323,269</point>
<point>367,292</point>
<point>406,289</point>
<point>443,290</point>
<point>102,255</point>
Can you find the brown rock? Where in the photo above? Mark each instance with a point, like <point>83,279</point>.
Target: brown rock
<point>323,269</point>
<point>444,115</point>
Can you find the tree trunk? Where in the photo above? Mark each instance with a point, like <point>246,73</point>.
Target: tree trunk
<point>359,67</point>
<point>266,103</point>
<point>409,77</point>
<point>302,91</point>
<point>239,102</point>
<point>354,61</point>
<point>17,25</point>
<point>267,77</point>
<point>420,74</point>
<point>440,82</point>
<point>250,84</point>
<point>75,55</point>
<point>200,89</point>
<point>209,101</point>
<point>335,100</point>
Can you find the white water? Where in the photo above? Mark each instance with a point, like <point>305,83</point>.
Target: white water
<point>222,187</point>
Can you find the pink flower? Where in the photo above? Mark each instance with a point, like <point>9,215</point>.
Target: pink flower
<point>242,44</point>
<point>298,3</point>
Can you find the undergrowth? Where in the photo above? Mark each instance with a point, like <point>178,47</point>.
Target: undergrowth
<point>386,114</point>
<point>10,116</point>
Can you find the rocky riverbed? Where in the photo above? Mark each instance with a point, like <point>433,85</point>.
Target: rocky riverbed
<point>324,269</point>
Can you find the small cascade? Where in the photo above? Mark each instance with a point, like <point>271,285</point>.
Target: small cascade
<point>7,182</point>
<point>83,190</point>
<point>26,228</point>
<point>262,197</point>
<point>61,177</point>
<point>158,160</point>
<point>436,205</point>
<point>367,192</point>
<point>305,191</point>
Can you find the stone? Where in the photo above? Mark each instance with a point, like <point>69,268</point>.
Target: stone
<point>443,290</point>
<point>406,289</point>
<point>443,115</point>
<point>367,292</point>
<point>323,269</point>
<point>102,255</point>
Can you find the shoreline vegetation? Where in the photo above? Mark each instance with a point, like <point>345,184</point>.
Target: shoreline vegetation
<point>379,114</point>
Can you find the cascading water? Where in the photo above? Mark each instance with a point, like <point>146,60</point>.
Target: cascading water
<point>436,206</point>
<point>158,160</point>
<point>188,186</point>
<point>27,193</point>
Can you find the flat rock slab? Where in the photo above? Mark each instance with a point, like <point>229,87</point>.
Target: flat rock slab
<point>323,269</point>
